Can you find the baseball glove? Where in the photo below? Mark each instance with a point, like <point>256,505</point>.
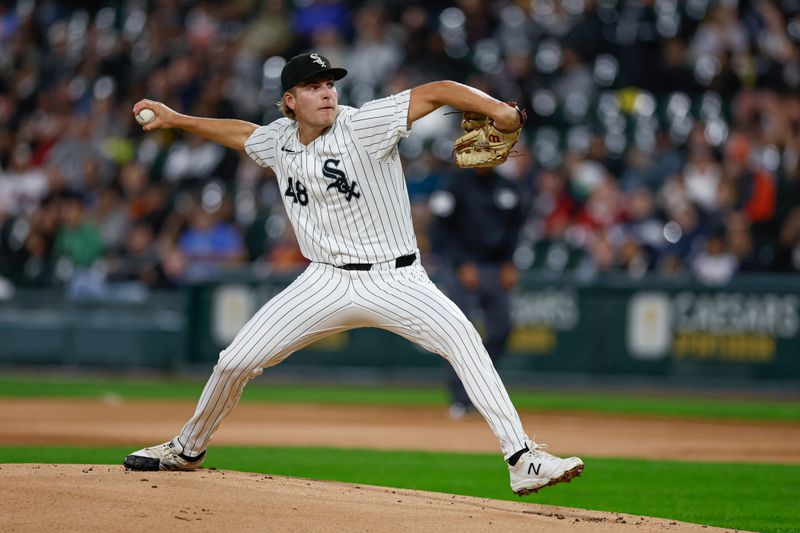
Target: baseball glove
<point>483,145</point>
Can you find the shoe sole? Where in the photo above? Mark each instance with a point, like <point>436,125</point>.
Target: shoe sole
<point>566,477</point>
<point>144,464</point>
<point>149,464</point>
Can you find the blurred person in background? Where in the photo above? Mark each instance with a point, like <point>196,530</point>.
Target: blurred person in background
<point>74,154</point>
<point>78,240</point>
<point>552,207</point>
<point>34,262</point>
<point>633,260</point>
<point>112,216</point>
<point>138,262</point>
<point>701,176</point>
<point>284,255</point>
<point>78,245</point>
<point>601,257</point>
<point>210,243</point>
<point>477,216</point>
<point>755,194</point>
<point>23,186</point>
<point>739,241</point>
<point>191,161</point>
<point>643,224</point>
<point>721,32</point>
<point>715,264</point>
<point>375,52</point>
<point>683,231</point>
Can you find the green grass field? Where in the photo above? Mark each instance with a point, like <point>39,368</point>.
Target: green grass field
<point>541,401</point>
<point>744,496</point>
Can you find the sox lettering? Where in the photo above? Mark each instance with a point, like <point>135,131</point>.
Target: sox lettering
<point>318,60</point>
<point>340,179</point>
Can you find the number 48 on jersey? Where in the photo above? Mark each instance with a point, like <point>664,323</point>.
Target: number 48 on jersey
<point>297,191</point>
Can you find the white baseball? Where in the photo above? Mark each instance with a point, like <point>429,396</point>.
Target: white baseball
<point>145,116</point>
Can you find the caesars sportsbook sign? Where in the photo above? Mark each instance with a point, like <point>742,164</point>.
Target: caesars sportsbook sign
<point>716,326</point>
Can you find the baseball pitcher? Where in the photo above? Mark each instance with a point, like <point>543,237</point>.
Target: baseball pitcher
<point>345,194</point>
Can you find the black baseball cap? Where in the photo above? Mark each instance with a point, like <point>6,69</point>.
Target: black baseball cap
<point>304,66</point>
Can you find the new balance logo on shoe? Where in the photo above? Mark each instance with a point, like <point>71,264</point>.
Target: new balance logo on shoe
<point>537,469</point>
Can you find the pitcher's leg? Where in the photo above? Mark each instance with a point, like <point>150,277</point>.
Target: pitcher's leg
<point>409,304</point>
<point>305,311</point>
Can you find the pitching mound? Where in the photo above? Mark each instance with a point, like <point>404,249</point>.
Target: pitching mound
<point>108,498</point>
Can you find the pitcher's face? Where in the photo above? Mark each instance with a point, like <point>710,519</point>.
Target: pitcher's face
<point>315,102</point>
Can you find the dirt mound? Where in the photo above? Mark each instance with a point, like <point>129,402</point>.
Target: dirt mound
<point>108,498</point>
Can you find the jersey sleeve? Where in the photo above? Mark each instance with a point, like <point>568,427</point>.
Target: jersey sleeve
<point>380,124</point>
<point>262,145</point>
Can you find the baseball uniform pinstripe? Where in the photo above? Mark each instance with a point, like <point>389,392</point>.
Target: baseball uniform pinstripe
<point>346,197</point>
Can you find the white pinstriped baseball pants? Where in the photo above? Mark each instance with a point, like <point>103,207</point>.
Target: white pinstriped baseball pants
<point>325,300</point>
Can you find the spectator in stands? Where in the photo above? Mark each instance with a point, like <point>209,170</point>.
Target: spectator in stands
<point>138,262</point>
<point>642,225</point>
<point>285,256</point>
<point>601,257</point>
<point>720,32</point>
<point>112,216</point>
<point>683,232</point>
<point>78,241</point>
<point>23,185</point>
<point>739,241</point>
<point>701,176</point>
<point>715,265</point>
<point>552,207</point>
<point>210,243</point>
<point>375,53</point>
<point>74,153</point>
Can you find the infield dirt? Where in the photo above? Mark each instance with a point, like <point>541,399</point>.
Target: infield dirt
<point>94,498</point>
<point>110,421</point>
<point>107,498</point>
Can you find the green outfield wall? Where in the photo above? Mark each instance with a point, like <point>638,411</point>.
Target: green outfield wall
<point>46,327</point>
<point>748,329</point>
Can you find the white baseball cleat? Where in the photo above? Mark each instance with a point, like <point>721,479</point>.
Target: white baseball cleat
<point>167,456</point>
<point>537,469</point>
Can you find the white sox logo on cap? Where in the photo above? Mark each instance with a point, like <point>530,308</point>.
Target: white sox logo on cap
<point>304,66</point>
<point>318,60</point>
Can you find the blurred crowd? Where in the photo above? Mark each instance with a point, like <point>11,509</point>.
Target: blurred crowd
<point>663,136</point>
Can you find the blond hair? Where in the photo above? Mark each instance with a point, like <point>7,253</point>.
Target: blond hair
<point>285,110</point>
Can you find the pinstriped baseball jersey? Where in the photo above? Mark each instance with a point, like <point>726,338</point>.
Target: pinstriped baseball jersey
<point>346,198</point>
<point>344,192</point>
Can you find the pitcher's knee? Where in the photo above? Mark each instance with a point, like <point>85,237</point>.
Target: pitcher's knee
<point>238,366</point>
